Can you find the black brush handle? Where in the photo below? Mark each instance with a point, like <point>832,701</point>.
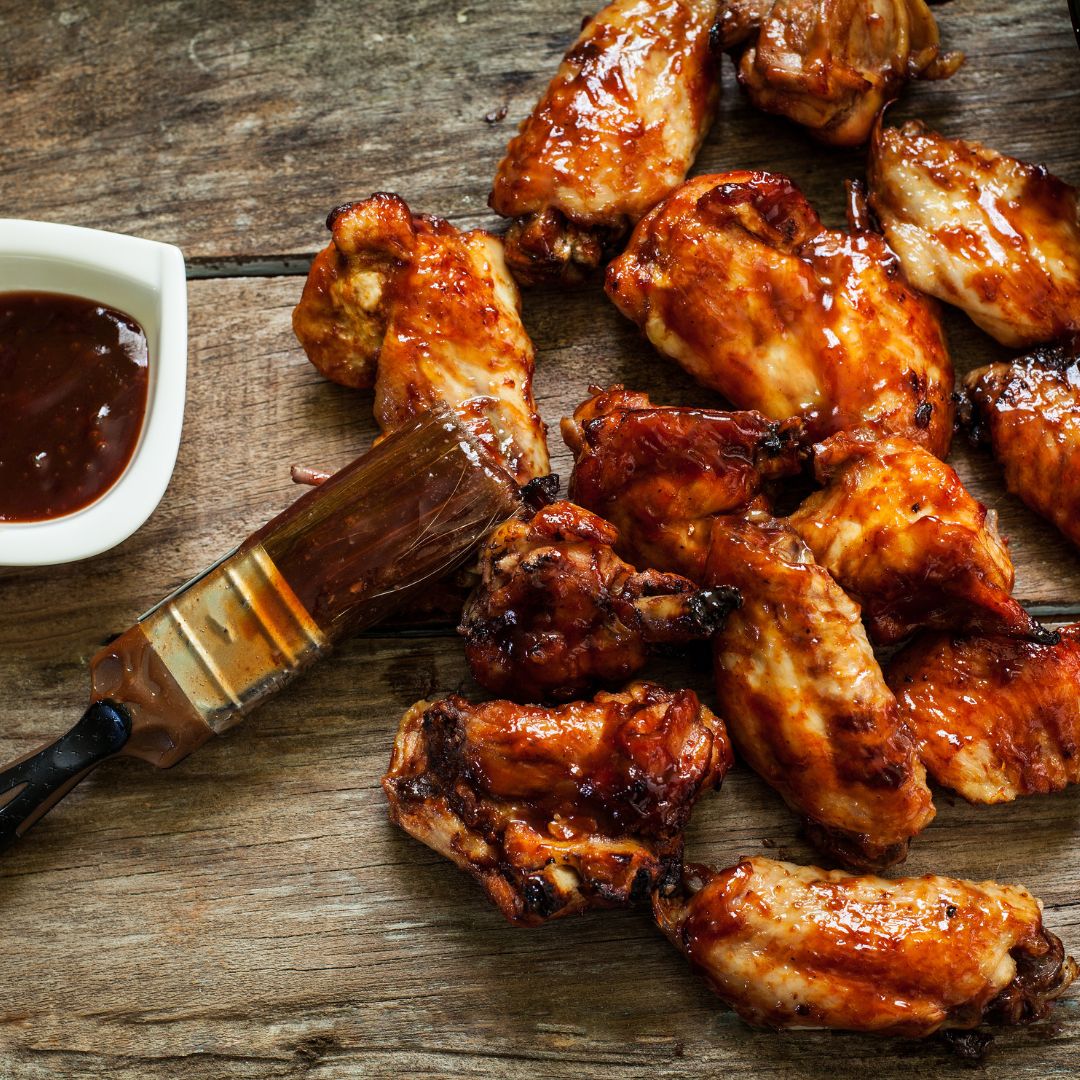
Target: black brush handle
<point>34,785</point>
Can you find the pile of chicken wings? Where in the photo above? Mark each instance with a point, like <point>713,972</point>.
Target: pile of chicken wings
<point>679,523</point>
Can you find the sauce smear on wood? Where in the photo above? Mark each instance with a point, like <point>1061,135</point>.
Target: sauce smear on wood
<point>73,385</point>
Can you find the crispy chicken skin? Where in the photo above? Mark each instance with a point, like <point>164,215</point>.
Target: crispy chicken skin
<point>557,610</point>
<point>735,278</point>
<point>1029,411</point>
<point>795,947</point>
<point>660,474</point>
<point>615,132</point>
<point>901,535</point>
<point>833,65</point>
<point>807,704</point>
<point>555,811</point>
<point>424,313</point>
<point>995,236</point>
<point>994,718</point>
<point>342,315</point>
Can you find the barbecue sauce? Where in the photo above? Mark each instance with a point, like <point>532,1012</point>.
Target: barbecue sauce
<point>73,388</point>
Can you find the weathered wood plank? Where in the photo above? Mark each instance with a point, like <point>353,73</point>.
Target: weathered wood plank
<point>255,906</point>
<point>253,914</point>
<point>256,406</point>
<point>232,129</point>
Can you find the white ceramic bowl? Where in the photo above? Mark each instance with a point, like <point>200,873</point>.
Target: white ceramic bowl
<point>146,280</point>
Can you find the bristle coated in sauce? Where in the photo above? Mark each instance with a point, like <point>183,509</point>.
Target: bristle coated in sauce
<point>403,514</point>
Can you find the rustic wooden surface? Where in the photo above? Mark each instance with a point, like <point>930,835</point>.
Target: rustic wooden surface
<point>251,913</point>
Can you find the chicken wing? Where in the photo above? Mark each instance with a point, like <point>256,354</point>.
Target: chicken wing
<point>994,718</point>
<point>660,474</point>
<point>554,811</point>
<point>617,130</point>
<point>833,65</point>
<point>735,278</point>
<point>995,236</point>
<point>807,704</point>
<point>424,313</point>
<point>557,610</point>
<point>794,946</point>
<point>1029,410</point>
<point>901,535</point>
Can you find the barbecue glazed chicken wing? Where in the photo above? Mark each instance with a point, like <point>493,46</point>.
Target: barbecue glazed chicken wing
<point>557,610</point>
<point>342,315</point>
<point>616,131</point>
<point>833,65</point>
<point>555,811</point>
<point>795,947</point>
<point>425,314</point>
<point>661,474</point>
<point>995,718</point>
<point>807,704</point>
<point>1029,411</point>
<point>903,538</point>
<point>995,236</point>
<point>735,278</point>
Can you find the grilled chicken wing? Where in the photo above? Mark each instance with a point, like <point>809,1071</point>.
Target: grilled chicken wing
<point>901,535</point>
<point>1029,410</point>
<point>424,313</point>
<point>994,718</point>
<point>557,610</point>
<point>661,474</point>
<point>735,278</point>
<point>995,236</point>
<point>554,811</point>
<point>794,946</point>
<point>342,315</point>
<point>833,65</point>
<point>617,130</point>
<point>807,704</point>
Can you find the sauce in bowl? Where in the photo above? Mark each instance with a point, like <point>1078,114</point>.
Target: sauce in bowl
<point>73,387</point>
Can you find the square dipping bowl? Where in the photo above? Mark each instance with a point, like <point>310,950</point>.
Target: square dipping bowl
<point>143,279</point>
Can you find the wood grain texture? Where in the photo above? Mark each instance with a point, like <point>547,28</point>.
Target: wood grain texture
<point>231,129</point>
<point>252,913</point>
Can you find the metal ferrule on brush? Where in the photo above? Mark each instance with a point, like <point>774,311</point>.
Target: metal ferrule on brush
<point>234,637</point>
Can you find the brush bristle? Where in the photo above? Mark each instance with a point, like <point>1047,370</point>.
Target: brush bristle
<point>406,512</point>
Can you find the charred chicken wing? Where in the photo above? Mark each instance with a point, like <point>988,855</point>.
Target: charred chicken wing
<point>807,704</point>
<point>554,811</point>
<point>1029,411</point>
<point>616,131</point>
<point>424,313</point>
<point>557,610</point>
<point>735,278</point>
<point>660,474</point>
<point>833,65</point>
<point>901,535</point>
<point>995,718</point>
<point>794,946</point>
<point>995,236</point>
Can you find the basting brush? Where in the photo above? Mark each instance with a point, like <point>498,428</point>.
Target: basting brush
<point>337,561</point>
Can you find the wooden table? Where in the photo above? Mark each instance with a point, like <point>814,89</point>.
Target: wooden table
<point>252,913</point>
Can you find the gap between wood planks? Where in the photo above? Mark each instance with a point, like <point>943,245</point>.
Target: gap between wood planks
<point>206,268</point>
